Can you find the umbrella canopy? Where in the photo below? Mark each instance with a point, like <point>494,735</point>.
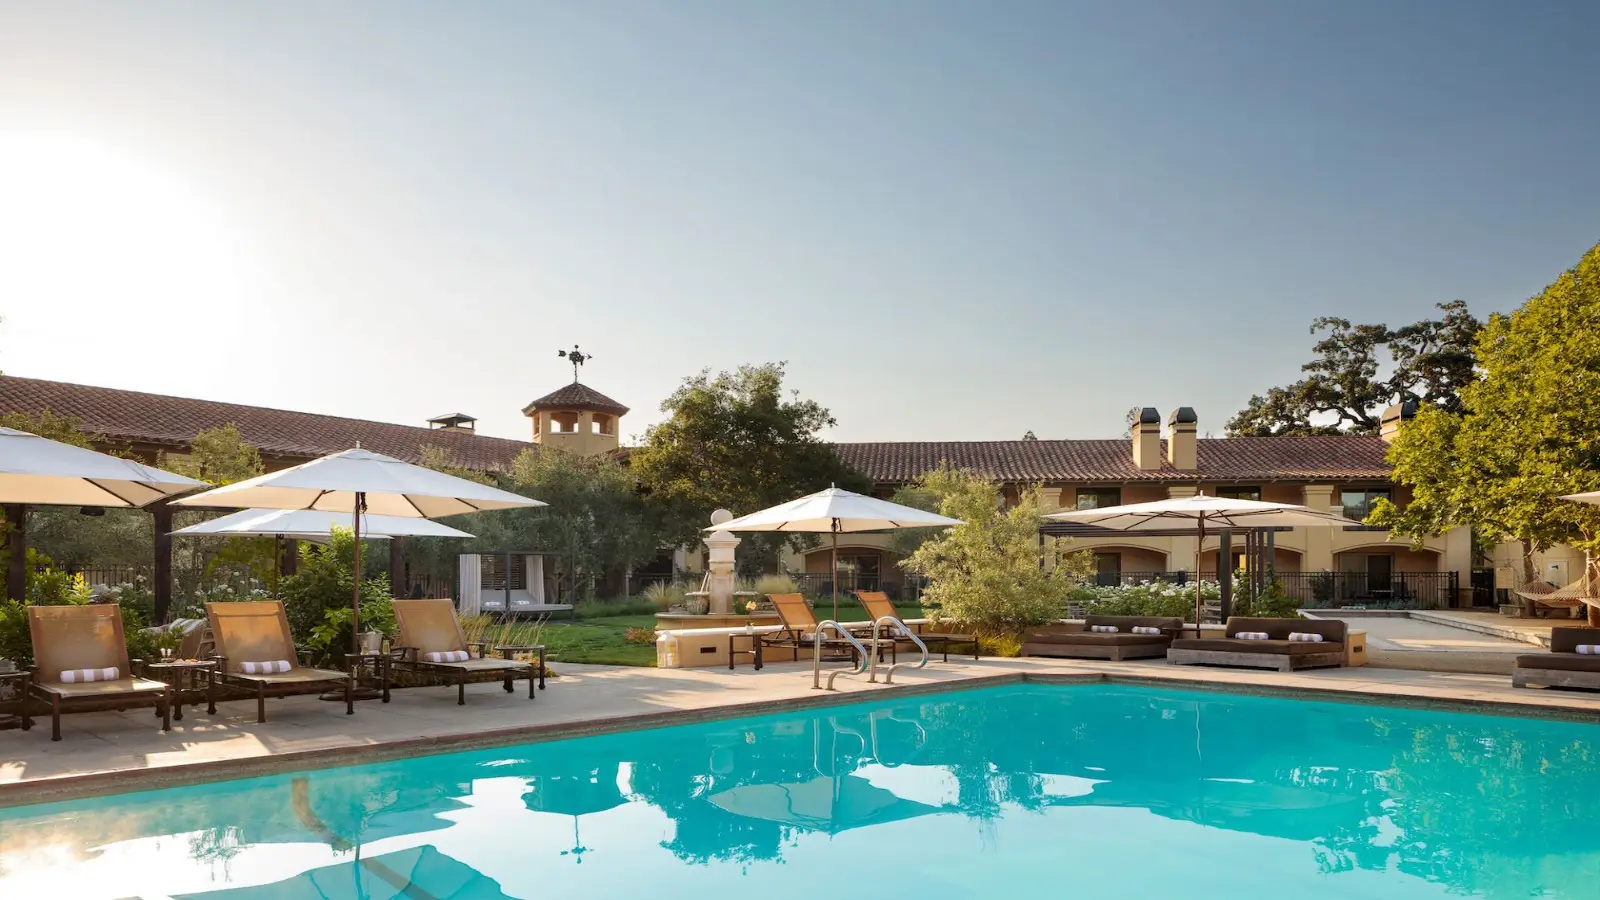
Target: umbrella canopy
<point>382,484</point>
<point>36,470</point>
<point>829,805</point>
<point>834,511</point>
<point>1201,511</point>
<point>359,481</point>
<point>1590,497</point>
<point>313,524</point>
<point>416,872</point>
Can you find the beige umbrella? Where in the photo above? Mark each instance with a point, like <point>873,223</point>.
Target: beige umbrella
<point>1201,511</point>
<point>834,511</point>
<point>357,482</point>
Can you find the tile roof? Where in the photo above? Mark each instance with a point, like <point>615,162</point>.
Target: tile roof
<point>577,396</point>
<point>173,421</point>
<point>1325,457</point>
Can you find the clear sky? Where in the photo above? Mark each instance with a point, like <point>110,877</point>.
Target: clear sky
<point>955,220</point>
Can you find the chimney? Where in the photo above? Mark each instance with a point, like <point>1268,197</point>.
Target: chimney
<point>1395,418</point>
<point>1147,439</point>
<point>454,422</point>
<point>1181,449</point>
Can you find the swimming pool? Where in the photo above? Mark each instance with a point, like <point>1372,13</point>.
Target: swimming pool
<point>1094,791</point>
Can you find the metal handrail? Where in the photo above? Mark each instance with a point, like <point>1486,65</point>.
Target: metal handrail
<point>899,631</point>
<point>816,655</point>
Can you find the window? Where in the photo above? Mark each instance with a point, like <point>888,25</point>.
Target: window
<point>1099,498</point>
<point>1240,493</point>
<point>1358,502</point>
<point>1108,569</point>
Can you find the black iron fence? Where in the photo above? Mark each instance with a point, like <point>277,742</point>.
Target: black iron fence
<point>1121,579</point>
<point>1398,590</point>
<point>900,588</point>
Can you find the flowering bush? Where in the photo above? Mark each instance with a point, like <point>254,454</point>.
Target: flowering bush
<point>1157,598</point>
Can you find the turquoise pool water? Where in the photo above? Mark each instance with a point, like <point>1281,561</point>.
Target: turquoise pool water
<point>1083,791</point>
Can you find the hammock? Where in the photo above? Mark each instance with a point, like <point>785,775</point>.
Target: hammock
<point>1585,590</point>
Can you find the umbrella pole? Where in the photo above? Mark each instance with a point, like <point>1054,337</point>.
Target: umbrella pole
<point>355,600</point>
<point>836,570</point>
<point>277,563</point>
<point>1199,544</point>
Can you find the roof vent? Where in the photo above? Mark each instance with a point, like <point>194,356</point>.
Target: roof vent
<point>454,422</point>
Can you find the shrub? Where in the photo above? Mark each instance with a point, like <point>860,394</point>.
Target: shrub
<point>999,643</point>
<point>639,636</point>
<point>663,596</point>
<point>15,642</point>
<point>316,598</point>
<point>1157,598</point>
<point>1272,602</point>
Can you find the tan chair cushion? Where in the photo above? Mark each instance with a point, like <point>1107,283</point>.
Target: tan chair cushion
<point>103,688</point>
<point>297,676</point>
<point>1270,648</point>
<point>482,665</point>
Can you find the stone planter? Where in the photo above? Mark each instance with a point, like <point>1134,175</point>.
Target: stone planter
<point>1511,610</point>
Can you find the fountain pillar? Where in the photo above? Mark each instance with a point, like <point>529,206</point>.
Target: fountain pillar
<point>719,565</point>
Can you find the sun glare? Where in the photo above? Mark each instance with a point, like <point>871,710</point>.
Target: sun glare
<point>100,245</point>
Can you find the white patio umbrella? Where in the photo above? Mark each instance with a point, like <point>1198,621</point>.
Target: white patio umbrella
<point>1590,497</point>
<point>359,481</point>
<point>36,471</point>
<point>314,524</point>
<point>834,511</point>
<point>1201,511</point>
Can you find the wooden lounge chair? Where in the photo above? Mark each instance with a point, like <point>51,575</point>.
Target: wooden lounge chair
<point>73,639</point>
<point>430,626</point>
<point>1078,642</point>
<point>1563,666</point>
<point>1277,652</point>
<point>255,632</point>
<point>800,627</point>
<point>878,605</point>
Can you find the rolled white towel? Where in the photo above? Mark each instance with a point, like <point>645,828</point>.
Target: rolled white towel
<point>1305,636</point>
<point>82,676</point>
<point>1588,649</point>
<point>446,656</point>
<point>269,667</point>
<point>1103,629</point>
<point>1253,636</point>
<point>1146,629</point>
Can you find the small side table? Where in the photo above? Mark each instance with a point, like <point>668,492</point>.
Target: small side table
<point>753,652</point>
<point>380,663</point>
<point>17,683</point>
<point>185,675</point>
<point>510,651</point>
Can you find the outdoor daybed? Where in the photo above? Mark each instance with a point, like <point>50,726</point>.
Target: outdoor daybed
<point>1563,666</point>
<point>1277,651</point>
<point>1080,642</point>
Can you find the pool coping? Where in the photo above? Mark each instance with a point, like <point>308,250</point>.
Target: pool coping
<point>58,788</point>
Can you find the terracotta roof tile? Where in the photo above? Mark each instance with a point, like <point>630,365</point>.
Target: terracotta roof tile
<point>1331,457</point>
<point>174,421</point>
<point>577,396</point>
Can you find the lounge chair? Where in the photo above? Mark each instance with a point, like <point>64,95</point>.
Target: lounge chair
<point>800,627</point>
<point>254,634</point>
<point>69,641</point>
<point>878,606</point>
<point>1563,666</point>
<point>1079,642</point>
<point>1276,652</point>
<point>428,627</point>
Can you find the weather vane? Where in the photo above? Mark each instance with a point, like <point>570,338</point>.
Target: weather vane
<point>576,357</point>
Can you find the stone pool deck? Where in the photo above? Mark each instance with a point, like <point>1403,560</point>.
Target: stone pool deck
<point>120,751</point>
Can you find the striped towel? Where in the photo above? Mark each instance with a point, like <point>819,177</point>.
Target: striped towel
<point>270,667</point>
<point>1253,636</point>
<point>1303,636</point>
<point>1585,649</point>
<point>446,656</point>
<point>1103,629</point>
<point>1145,629</point>
<point>81,676</point>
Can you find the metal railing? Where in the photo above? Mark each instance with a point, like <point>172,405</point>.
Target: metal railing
<point>1397,590</point>
<point>897,631</point>
<point>862,661</point>
<point>1118,579</point>
<point>900,588</point>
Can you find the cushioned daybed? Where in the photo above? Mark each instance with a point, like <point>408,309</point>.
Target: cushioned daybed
<point>1276,652</point>
<point>1080,642</point>
<point>1563,666</point>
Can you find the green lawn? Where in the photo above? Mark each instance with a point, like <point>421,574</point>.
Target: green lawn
<point>600,640</point>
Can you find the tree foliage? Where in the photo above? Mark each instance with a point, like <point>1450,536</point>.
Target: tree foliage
<point>219,456</point>
<point>1528,430</point>
<point>317,598</point>
<point>738,441</point>
<point>1345,389</point>
<point>991,572</point>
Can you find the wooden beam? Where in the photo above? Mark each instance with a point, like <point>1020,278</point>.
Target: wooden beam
<point>1225,571</point>
<point>163,574</point>
<point>17,542</point>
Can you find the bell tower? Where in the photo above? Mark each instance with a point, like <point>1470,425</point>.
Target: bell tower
<point>575,417</point>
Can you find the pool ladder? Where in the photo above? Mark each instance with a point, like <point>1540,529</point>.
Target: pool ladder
<point>866,660</point>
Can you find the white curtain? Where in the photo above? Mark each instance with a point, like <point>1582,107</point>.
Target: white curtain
<point>535,570</point>
<point>471,585</point>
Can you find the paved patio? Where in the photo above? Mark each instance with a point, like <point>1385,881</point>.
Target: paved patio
<point>119,751</point>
